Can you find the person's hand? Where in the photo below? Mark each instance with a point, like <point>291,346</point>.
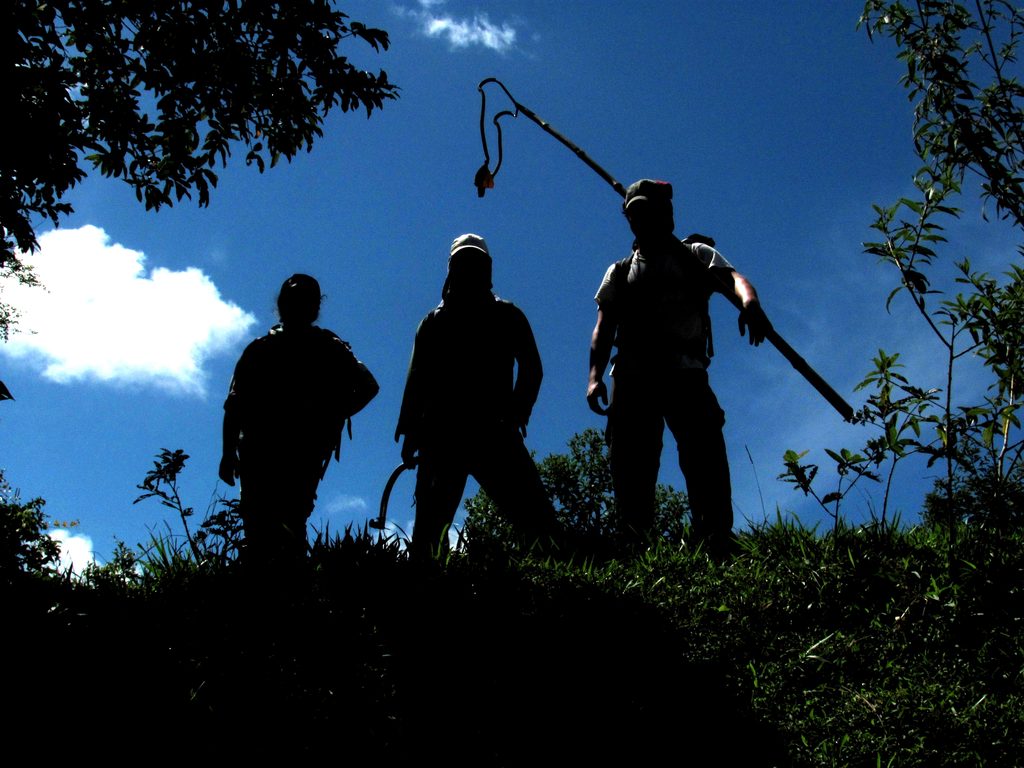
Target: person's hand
<point>228,469</point>
<point>753,318</point>
<point>597,393</point>
<point>409,449</point>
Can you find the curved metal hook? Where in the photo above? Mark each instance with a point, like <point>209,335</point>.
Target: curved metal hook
<point>379,523</point>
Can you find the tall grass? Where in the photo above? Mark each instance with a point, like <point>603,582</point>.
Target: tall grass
<point>860,647</point>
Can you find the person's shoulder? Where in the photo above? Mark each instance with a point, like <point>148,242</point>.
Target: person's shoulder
<point>327,336</point>
<point>276,336</point>
<point>429,321</point>
<point>331,343</point>
<point>510,316</point>
<point>257,355</point>
<point>432,315</point>
<point>255,345</point>
<point>614,275</point>
<point>260,343</point>
<point>708,254</point>
<point>507,307</point>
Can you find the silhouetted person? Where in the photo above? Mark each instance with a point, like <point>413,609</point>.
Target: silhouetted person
<point>653,306</point>
<point>290,396</point>
<point>473,379</point>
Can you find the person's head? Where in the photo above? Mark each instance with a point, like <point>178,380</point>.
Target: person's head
<point>298,303</point>
<point>469,266</point>
<point>648,209</point>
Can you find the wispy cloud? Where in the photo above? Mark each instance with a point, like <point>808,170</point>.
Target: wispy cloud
<point>102,317</point>
<point>463,32</point>
<point>346,505</point>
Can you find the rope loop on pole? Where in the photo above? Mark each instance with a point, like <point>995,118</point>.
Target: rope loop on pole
<point>484,178</point>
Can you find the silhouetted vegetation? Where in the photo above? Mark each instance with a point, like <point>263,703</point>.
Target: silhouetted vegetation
<point>963,78</point>
<point>858,647</point>
<point>159,94</point>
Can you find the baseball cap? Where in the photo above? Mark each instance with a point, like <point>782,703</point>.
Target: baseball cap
<point>469,240</point>
<point>647,190</point>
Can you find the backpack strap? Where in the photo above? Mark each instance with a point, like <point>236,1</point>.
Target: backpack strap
<point>620,275</point>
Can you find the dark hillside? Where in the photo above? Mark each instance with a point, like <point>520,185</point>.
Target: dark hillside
<point>857,648</point>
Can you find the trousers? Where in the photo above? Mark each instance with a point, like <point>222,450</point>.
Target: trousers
<point>278,493</point>
<point>642,404</point>
<point>499,461</point>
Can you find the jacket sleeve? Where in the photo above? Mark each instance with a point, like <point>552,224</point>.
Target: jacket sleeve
<point>410,417</point>
<point>529,370</point>
<point>364,386</point>
<point>241,384</point>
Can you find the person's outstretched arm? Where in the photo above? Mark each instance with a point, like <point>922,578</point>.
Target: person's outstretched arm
<point>752,316</point>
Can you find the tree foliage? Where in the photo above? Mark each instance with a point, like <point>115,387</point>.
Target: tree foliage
<point>158,93</point>
<point>25,546</point>
<point>962,75</point>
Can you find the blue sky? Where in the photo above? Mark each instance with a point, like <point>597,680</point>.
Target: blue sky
<point>779,126</point>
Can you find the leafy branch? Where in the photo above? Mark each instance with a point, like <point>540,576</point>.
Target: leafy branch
<point>162,482</point>
<point>219,537</point>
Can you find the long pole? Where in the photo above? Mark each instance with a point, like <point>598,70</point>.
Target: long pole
<point>485,179</point>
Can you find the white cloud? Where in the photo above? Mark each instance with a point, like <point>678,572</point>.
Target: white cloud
<point>75,551</point>
<point>343,504</point>
<point>476,31</point>
<point>462,32</point>
<point>102,317</point>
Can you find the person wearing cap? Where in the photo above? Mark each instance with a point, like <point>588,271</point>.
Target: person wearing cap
<point>473,379</point>
<point>290,396</point>
<point>653,308</point>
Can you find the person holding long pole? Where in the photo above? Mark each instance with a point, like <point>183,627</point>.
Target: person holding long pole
<point>653,306</point>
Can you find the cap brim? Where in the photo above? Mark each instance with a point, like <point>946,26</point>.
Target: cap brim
<point>469,247</point>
